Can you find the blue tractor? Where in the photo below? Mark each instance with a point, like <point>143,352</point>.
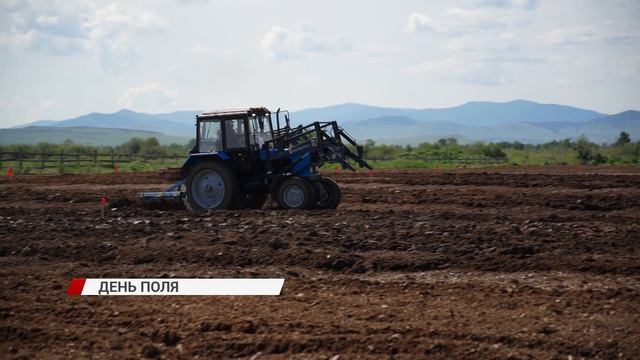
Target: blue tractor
<point>242,156</point>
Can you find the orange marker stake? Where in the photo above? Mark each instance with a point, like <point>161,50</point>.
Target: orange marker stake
<point>115,169</point>
<point>10,172</point>
<point>103,203</point>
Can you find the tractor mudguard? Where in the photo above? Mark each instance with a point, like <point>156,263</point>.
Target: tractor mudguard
<point>197,158</point>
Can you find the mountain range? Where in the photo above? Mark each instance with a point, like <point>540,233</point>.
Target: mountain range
<point>518,120</point>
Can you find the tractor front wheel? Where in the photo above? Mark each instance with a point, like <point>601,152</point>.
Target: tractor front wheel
<point>295,193</point>
<point>210,186</point>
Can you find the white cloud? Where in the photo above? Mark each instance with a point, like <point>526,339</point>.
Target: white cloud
<point>518,4</point>
<point>199,49</point>
<point>481,42</point>
<point>502,47</point>
<point>281,43</point>
<point>192,2</point>
<point>587,34</point>
<point>47,20</point>
<point>455,21</point>
<point>464,71</point>
<point>14,103</point>
<point>377,53</point>
<point>109,21</point>
<point>108,30</point>
<point>48,103</point>
<point>25,104</point>
<point>67,28</point>
<point>149,96</point>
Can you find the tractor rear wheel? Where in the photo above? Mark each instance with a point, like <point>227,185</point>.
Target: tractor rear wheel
<point>295,193</point>
<point>210,186</point>
<point>327,194</point>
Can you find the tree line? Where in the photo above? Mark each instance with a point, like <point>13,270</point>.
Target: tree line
<point>567,151</point>
<point>135,146</point>
<point>581,150</point>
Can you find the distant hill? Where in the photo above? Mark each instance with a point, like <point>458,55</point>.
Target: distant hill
<point>474,113</point>
<point>404,130</point>
<point>385,130</point>
<point>81,135</point>
<point>395,127</point>
<point>518,120</point>
<point>180,117</point>
<point>608,128</point>
<point>482,113</point>
<point>349,112</point>
<point>178,123</point>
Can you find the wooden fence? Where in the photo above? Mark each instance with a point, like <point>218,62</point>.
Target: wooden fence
<point>22,161</point>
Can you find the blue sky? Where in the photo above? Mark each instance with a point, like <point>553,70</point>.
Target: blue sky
<point>60,59</point>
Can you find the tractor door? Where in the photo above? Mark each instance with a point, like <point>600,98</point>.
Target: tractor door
<point>237,143</point>
<point>258,132</point>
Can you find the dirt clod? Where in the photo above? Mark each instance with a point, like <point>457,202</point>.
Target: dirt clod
<point>170,338</point>
<point>150,351</point>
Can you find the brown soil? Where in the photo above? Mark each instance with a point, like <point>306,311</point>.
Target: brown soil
<point>499,263</point>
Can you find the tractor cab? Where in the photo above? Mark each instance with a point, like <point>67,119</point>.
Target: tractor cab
<point>238,135</point>
<point>238,130</point>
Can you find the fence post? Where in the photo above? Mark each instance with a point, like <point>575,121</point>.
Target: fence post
<point>41,161</point>
<point>61,165</point>
<point>95,158</point>
<point>113,162</point>
<point>19,162</point>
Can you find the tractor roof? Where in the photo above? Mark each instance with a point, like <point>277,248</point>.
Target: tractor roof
<point>234,112</point>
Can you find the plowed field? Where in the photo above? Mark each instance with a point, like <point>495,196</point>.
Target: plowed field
<point>501,263</point>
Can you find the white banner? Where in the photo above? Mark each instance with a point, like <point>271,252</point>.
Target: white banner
<point>84,286</point>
